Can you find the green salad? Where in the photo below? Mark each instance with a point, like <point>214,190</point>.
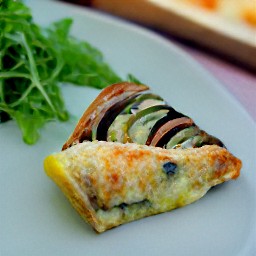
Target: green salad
<point>35,61</point>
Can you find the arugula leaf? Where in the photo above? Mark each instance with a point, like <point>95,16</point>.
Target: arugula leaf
<point>34,61</point>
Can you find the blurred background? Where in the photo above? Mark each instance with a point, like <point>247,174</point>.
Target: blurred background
<point>219,34</point>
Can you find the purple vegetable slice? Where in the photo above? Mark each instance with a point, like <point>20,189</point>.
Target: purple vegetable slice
<point>168,130</point>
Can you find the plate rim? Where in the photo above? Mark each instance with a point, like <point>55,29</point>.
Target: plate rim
<point>206,75</point>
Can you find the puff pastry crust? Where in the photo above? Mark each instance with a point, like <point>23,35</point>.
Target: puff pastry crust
<point>110,183</point>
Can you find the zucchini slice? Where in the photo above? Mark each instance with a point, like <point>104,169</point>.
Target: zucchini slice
<point>182,136</point>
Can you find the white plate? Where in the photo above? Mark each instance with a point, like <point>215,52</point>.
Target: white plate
<point>36,219</point>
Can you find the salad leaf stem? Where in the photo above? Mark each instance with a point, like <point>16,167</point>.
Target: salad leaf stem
<point>34,73</point>
<point>11,74</point>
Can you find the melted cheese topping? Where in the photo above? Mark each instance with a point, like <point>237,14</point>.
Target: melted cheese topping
<point>111,183</point>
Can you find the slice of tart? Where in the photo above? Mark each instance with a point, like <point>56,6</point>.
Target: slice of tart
<point>132,155</point>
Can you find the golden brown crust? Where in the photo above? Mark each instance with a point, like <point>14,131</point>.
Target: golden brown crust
<point>133,174</point>
<point>61,176</point>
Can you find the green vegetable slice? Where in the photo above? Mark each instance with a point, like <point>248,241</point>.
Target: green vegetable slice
<point>143,101</point>
<point>200,139</point>
<point>182,136</point>
<point>140,125</point>
<point>117,130</point>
